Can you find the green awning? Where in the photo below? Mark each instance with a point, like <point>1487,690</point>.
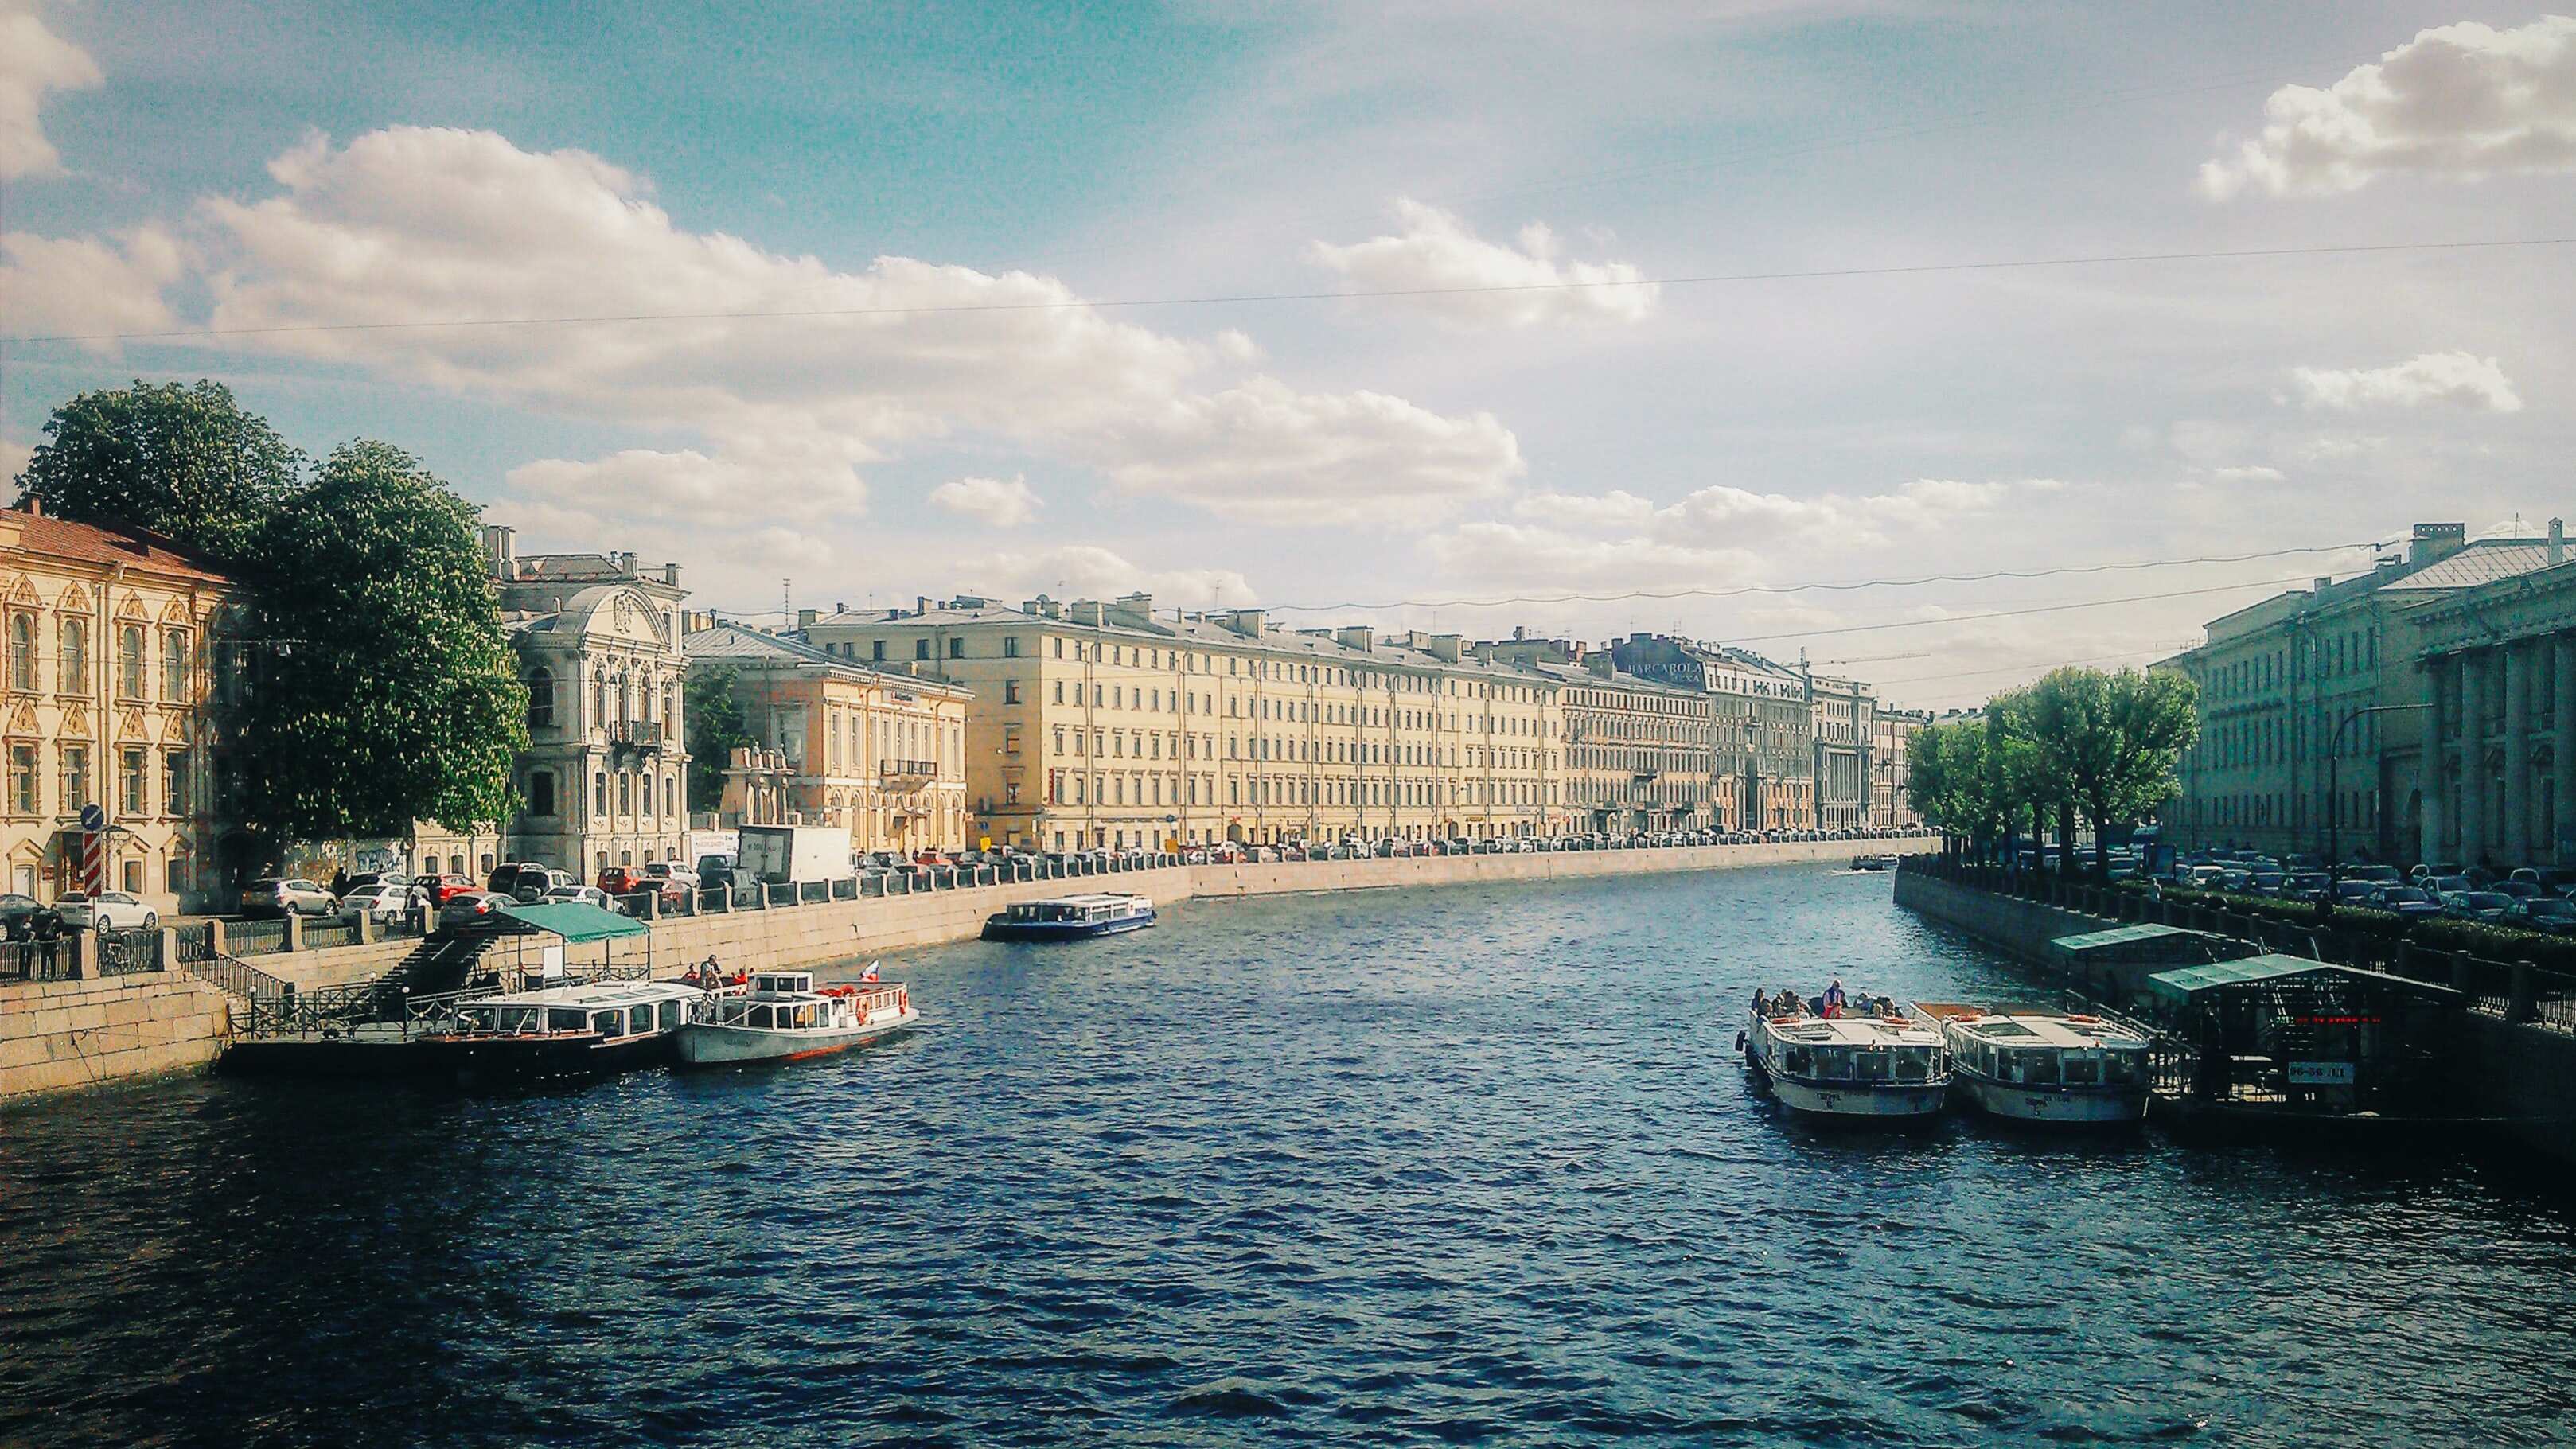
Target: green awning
<point>2120,936</point>
<point>2194,979</point>
<point>578,922</point>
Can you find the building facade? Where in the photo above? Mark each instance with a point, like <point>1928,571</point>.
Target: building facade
<point>1116,724</point>
<point>1843,710</point>
<point>1762,719</point>
<point>880,753</point>
<point>1640,755</point>
<point>1892,733</point>
<point>604,778</point>
<point>2497,668</point>
<point>111,705</point>
<point>2313,709</point>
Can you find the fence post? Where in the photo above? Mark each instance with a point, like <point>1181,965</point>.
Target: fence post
<point>84,955</point>
<point>366,928</point>
<point>2519,1005</point>
<point>2462,978</point>
<point>294,930</point>
<point>215,938</point>
<point>169,948</point>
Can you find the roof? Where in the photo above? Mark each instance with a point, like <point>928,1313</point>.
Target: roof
<point>2131,935</point>
<point>578,922</point>
<point>91,543</point>
<point>743,647</point>
<point>2192,980</point>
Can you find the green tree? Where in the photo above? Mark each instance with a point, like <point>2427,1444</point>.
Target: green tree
<point>713,709</point>
<point>2108,744</point>
<point>381,687</point>
<point>182,461</point>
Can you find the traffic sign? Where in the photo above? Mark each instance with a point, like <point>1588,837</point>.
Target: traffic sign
<point>93,817</point>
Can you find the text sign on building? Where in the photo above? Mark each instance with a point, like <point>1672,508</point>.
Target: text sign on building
<point>2320,1074</point>
<point>1727,681</point>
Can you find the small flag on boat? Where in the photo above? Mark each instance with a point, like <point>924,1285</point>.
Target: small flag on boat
<point>870,974</point>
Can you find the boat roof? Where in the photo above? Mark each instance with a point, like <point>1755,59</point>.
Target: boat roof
<point>2037,1028</point>
<point>1853,1031</point>
<point>1097,898</point>
<point>595,993</point>
<point>2192,980</point>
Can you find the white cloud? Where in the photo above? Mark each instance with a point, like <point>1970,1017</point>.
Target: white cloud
<point>82,286</point>
<point>987,500</point>
<point>1616,508</point>
<point>789,375</point>
<point>33,60</point>
<point>2461,101</point>
<point>1524,286</point>
<point>2255,473</point>
<point>1086,571</point>
<point>1263,453</point>
<point>2456,378</point>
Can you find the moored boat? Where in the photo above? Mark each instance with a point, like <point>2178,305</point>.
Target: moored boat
<point>1873,1064</point>
<point>782,1017</point>
<point>2031,1064</point>
<point>1069,918</point>
<point>564,1031</point>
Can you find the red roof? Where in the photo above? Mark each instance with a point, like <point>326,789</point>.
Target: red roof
<point>91,544</point>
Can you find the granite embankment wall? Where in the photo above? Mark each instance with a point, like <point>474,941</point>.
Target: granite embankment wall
<point>56,1035</point>
<point>2498,1068</point>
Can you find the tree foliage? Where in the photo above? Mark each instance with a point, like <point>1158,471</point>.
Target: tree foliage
<point>716,727</point>
<point>182,461</point>
<point>381,688</point>
<point>378,688</point>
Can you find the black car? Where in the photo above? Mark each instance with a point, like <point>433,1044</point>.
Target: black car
<point>24,918</point>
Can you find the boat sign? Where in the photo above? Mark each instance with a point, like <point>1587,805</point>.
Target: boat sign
<point>2321,1074</point>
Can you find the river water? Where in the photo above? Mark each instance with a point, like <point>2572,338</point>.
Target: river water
<point>1463,1165</point>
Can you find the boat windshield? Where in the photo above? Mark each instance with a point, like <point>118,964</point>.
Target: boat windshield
<point>1913,1064</point>
<point>522,1020</point>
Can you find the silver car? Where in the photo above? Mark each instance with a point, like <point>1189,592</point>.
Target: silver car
<point>106,911</point>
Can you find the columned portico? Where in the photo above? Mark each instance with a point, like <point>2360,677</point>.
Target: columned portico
<point>2562,752</point>
<point>2515,835</point>
<point>2471,756</point>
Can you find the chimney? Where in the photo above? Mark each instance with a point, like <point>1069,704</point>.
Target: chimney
<point>1246,622</point>
<point>1088,612</point>
<point>2324,582</point>
<point>499,542</point>
<point>2435,542</point>
<point>1599,664</point>
<point>671,574</point>
<point>805,617</point>
<point>1140,604</point>
<point>35,506</point>
<point>1520,632</point>
<point>1443,647</point>
<point>1356,636</point>
<point>921,604</point>
<point>2557,542</point>
<point>625,564</point>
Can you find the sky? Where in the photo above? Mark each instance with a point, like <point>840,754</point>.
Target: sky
<point>1739,319</point>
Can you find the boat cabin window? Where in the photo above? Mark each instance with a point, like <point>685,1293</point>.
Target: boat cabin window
<point>760,1016</point>
<point>2043,1068</point>
<point>521,1020</point>
<point>475,1018</point>
<point>564,1018</point>
<point>1913,1064</point>
<point>2082,1071</point>
<point>608,1023</point>
<point>1875,1066</point>
<point>1834,1062</point>
<point>2123,1068</point>
<point>670,1015</point>
<point>1800,1060</point>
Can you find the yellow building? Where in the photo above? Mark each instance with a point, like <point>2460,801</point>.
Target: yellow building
<point>879,752</point>
<point>108,705</point>
<point>1116,724</point>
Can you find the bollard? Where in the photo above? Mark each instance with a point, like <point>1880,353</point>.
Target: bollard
<point>294,930</point>
<point>2519,1005</point>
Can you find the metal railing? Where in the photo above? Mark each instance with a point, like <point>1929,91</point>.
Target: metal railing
<point>195,940</point>
<point>128,953</point>
<point>53,959</point>
<point>322,935</point>
<point>254,938</point>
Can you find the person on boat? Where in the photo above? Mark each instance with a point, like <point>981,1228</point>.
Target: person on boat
<point>1761,1002</point>
<point>1835,1000</point>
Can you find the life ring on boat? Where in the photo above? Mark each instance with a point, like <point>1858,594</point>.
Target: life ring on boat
<point>2086,1020</point>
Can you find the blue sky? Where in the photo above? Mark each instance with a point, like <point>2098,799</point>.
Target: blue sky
<point>346,173</point>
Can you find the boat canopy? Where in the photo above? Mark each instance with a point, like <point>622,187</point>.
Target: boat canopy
<point>2191,981</point>
<point>2144,942</point>
<point>578,922</point>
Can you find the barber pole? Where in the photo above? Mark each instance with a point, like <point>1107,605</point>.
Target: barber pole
<point>93,857</point>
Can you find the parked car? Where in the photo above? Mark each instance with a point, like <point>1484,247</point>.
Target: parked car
<point>2411,902</point>
<point>2358,893</point>
<point>25,918</point>
<point>621,880</point>
<point>282,897</point>
<point>525,881</point>
<point>384,900</point>
<point>2551,915</point>
<point>587,895</point>
<point>2484,906</point>
<point>677,874</point>
<point>471,910</point>
<point>106,911</point>
<point>443,888</point>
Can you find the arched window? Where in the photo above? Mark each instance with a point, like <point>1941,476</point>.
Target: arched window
<point>73,677</point>
<point>129,661</point>
<point>541,699</point>
<point>22,651</point>
<point>174,665</point>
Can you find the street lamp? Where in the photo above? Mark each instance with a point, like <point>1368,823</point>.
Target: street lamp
<point>2334,775</point>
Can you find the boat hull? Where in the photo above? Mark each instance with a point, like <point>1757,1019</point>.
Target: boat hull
<point>2072,1106</point>
<point>478,1061</point>
<point>708,1044</point>
<point>1849,1102</point>
<point>999,929</point>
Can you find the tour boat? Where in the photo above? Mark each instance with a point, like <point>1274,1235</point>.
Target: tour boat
<point>565,1031</point>
<point>782,1017</point>
<point>1069,918</point>
<point>2035,1065</point>
<point>1863,1064</point>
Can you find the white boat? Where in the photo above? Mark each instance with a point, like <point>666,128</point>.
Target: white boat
<point>564,1031</point>
<point>781,1016</point>
<point>2036,1065</point>
<point>1862,1064</point>
<point>1070,918</point>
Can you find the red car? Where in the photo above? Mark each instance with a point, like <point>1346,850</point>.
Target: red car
<point>933,857</point>
<point>444,888</point>
<point>628,880</point>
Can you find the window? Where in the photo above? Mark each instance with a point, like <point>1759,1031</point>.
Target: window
<point>920,648</point>
<point>541,701</point>
<point>1010,691</point>
<point>177,873</point>
<point>174,665</point>
<point>22,779</point>
<point>133,877</point>
<point>129,661</point>
<point>22,651</point>
<point>648,794</point>
<point>541,792</point>
<point>876,650</point>
<point>625,793</point>
<point>73,677</point>
<point>75,777</point>
<point>130,768</point>
<point>1010,646</point>
<point>956,648</point>
<point>599,799</point>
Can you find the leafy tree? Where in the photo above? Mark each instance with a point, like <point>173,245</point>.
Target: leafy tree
<point>381,688</point>
<point>713,709</point>
<point>2107,743</point>
<point>182,461</point>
